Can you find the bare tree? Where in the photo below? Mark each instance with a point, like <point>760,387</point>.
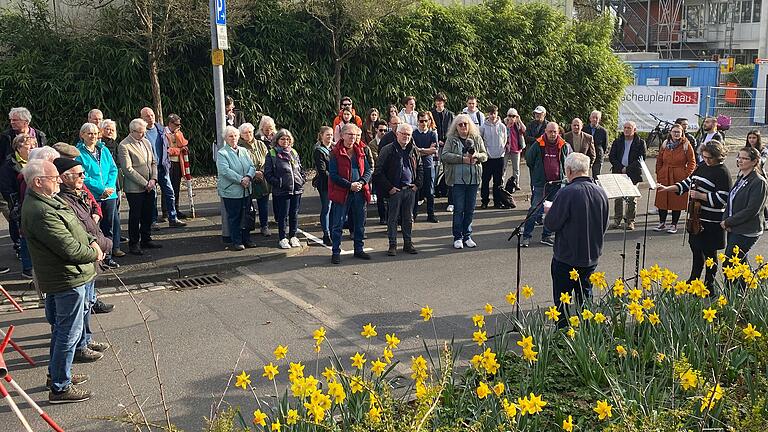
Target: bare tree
<point>349,25</point>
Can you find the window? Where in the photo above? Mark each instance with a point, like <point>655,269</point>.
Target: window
<point>722,13</point>
<point>712,16</point>
<point>756,10</point>
<point>746,12</point>
<point>678,81</point>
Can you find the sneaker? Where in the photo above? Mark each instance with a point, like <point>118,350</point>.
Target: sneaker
<point>111,263</point>
<point>335,259</point>
<point>615,225</point>
<point>421,202</point>
<point>237,248</point>
<point>631,226</point>
<point>432,219</point>
<point>118,253</point>
<point>265,231</point>
<point>27,273</point>
<point>98,346</point>
<point>549,241</point>
<point>181,215</point>
<point>653,211</point>
<point>362,255</point>
<point>458,244</point>
<point>449,209</point>
<point>526,242</point>
<point>101,308</point>
<point>327,240</point>
<point>408,248</point>
<point>177,224</point>
<point>4,270</point>
<point>70,395</point>
<point>283,244</point>
<point>76,379</point>
<point>392,251</point>
<point>249,245</point>
<point>295,242</point>
<point>87,355</point>
<point>661,227</point>
<point>672,229</point>
<point>374,199</point>
<point>155,226</point>
<point>470,243</point>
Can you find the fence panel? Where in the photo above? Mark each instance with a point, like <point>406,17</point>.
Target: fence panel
<point>746,106</point>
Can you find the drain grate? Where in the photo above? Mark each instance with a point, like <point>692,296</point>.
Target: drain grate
<point>196,282</point>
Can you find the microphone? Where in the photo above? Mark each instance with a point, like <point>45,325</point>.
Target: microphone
<point>554,182</point>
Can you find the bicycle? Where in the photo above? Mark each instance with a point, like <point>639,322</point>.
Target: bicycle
<point>659,132</point>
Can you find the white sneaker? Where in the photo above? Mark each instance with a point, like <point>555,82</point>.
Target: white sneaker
<point>458,244</point>
<point>470,243</point>
<point>295,242</point>
<point>284,244</point>
<point>661,227</point>
<point>449,209</point>
<point>373,198</point>
<point>672,229</point>
<point>653,211</point>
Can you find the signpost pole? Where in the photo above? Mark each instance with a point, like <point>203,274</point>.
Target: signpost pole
<point>218,24</point>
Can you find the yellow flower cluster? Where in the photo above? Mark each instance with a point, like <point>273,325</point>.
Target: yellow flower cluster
<point>527,344</point>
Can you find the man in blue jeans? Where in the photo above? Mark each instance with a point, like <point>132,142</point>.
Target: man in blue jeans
<point>63,256</point>
<point>348,190</point>
<point>546,162</point>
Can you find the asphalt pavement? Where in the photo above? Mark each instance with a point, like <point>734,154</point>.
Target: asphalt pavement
<point>199,333</point>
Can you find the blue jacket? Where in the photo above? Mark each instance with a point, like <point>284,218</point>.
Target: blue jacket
<point>284,173</point>
<point>99,175</point>
<point>579,217</point>
<point>232,167</point>
<point>160,148</point>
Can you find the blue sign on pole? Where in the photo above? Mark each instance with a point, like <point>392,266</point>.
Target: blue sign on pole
<point>221,12</point>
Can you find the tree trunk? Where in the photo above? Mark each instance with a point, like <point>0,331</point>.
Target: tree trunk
<point>337,77</point>
<point>154,80</point>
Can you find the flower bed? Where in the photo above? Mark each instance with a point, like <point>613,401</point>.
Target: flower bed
<point>666,355</point>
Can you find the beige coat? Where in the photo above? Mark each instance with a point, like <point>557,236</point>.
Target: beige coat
<point>137,164</point>
<point>587,145</point>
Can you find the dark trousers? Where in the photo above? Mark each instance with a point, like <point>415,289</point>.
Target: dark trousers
<point>236,208</point>
<point>354,211</point>
<point>597,166</point>
<point>427,191</point>
<point>744,243</point>
<point>140,207</point>
<point>262,205</point>
<point>400,207</point>
<point>699,257</point>
<point>675,216</point>
<point>286,209</point>
<point>381,204</point>
<point>493,168</point>
<point>562,283</point>
<point>175,182</point>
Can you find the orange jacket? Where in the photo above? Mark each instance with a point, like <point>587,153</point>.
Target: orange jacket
<point>355,118</point>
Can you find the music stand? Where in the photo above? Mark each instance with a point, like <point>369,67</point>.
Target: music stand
<point>652,185</point>
<point>619,186</point>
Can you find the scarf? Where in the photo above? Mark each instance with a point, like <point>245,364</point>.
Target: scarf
<point>672,144</point>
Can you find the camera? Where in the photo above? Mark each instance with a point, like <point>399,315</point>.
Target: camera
<point>471,150</point>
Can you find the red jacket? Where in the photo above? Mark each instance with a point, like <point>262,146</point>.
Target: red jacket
<point>340,172</point>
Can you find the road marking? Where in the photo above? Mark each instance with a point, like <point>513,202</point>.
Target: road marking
<point>320,242</point>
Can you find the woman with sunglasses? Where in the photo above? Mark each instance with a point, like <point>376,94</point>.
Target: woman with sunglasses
<point>462,155</point>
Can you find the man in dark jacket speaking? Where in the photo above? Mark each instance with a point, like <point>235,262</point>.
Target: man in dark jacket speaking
<point>579,217</point>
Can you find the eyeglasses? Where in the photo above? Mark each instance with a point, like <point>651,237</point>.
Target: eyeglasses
<point>80,174</point>
<point>55,178</point>
<point>423,120</point>
<point>462,124</point>
<point>346,104</point>
<point>383,130</point>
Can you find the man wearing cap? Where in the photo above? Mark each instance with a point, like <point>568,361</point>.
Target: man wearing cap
<point>600,138</point>
<point>72,193</point>
<point>63,256</point>
<point>515,145</point>
<point>536,127</point>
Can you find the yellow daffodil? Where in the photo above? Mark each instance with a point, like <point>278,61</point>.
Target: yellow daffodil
<point>527,291</point>
<point>709,262</point>
<point>476,361</point>
<point>329,373</point>
<point>488,308</point>
<point>710,314</point>
<point>498,389</point>
<point>574,321</point>
<point>660,357</point>
<point>295,370</point>
<point>574,274</point>
<point>648,303</point>
<point>319,336</point>
<point>276,426</point>
<point>426,313</point>
<point>374,414</point>
<point>478,320</point>
<point>599,318</point>
<point>419,368</point>
<point>721,257</point>
<point>293,417</point>
<point>243,380</point>
<point>597,279</point>
<point>531,405</point>
<point>270,371</point>
<point>714,394</point>
<point>482,390</point>
<point>654,318</point>
<point>568,424</point>
<point>510,409</point>
<point>377,367</point>
<point>565,298</point>
<point>336,391</point>
<point>358,360</point>
<point>571,333</point>
<point>759,260</point>
<point>621,351</point>
<point>530,354</point>
<point>479,337</point>
<point>587,315</point>
<point>525,342</point>
<point>392,341</point>
<point>421,390</point>
<point>369,331</point>
<point>689,379</point>
<point>356,384</point>
<point>681,288</point>
<point>736,250</point>
<point>751,333</point>
<point>552,313</point>
<point>259,418</point>
<point>603,409</point>
<point>635,294</point>
<point>722,301</point>
<point>511,298</point>
<point>387,355</point>
<point>489,362</point>
<point>280,352</point>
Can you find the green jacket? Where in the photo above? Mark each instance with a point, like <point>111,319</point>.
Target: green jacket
<point>534,158</point>
<point>58,244</point>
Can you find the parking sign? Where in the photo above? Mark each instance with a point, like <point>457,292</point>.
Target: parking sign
<point>221,12</point>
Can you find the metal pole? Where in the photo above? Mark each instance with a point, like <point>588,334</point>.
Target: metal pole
<point>648,27</point>
<point>218,81</point>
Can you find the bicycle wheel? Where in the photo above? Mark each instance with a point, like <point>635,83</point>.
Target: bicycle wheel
<point>653,140</point>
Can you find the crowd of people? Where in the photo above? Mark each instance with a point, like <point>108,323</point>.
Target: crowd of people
<point>68,228</point>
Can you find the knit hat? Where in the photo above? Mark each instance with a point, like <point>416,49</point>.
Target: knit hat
<point>66,150</point>
<point>64,164</point>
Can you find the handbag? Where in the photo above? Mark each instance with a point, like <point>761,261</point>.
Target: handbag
<point>249,217</point>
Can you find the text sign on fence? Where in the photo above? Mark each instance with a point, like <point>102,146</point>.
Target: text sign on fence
<point>666,103</point>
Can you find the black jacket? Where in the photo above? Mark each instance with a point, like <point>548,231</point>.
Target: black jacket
<point>6,141</point>
<point>9,180</point>
<point>533,131</point>
<point>636,151</point>
<point>442,126</point>
<point>321,158</point>
<point>389,167</point>
<point>744,212</point>
<point>600,137</point>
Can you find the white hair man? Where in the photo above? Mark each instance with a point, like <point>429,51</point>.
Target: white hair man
<point>63,255</point>
<point>625,155</point>
<point>579,230</point>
